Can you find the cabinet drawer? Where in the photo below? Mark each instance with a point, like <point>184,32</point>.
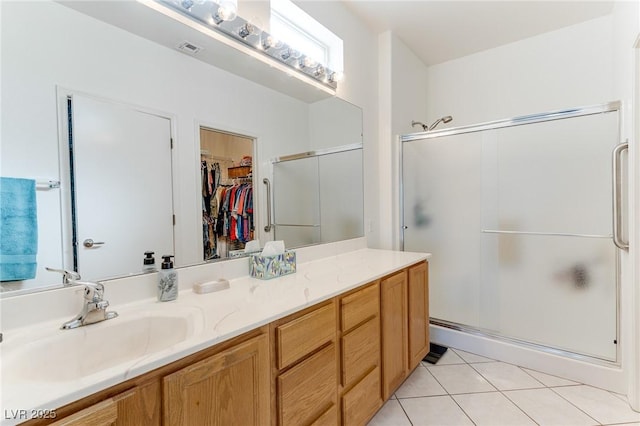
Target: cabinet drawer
<point>360,351</point>
<point>307,390</point>
<point>359,306</point>
<point>361,402</point>
<point>301,336</point>
<point>328,418</point>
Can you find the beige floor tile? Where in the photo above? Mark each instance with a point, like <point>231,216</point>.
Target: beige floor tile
<point>461,378</point>
<point>420,383</point>
<point>434,410</point>
<point>391,414</point>
<point>549,380</point>
<point>548,408</point>
<point>603,406</point>
<point>471,358</point>
<point>506,376</point>
<point>492,409</point>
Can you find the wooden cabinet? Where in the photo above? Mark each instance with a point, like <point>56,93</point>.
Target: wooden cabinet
<point>393,302</point>
<point>418,311</point>
<point>308,390</point>
<point>104,413</point>
<point>405,320</point>
<point>360,355</point>
<point>305,367</point>
<point>139,406</point>
<point>228,383</point>
<point>228,388</point>
<point>301,336</point>
<point>362,401</point>
<point>332,363</point>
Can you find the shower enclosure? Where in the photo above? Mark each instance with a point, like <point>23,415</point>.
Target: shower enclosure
<point>521,216</point>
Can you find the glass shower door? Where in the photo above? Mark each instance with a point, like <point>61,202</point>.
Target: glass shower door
<point>519,223</point>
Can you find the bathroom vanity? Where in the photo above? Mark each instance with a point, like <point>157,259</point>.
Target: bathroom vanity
<point>325,346</point>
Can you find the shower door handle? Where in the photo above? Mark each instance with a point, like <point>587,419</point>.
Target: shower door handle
<point>618,238</point>
<point>267,227</point>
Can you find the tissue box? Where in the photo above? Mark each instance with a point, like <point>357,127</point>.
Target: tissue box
<point>267,267</point>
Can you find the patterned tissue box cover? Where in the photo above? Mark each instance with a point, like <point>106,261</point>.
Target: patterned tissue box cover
<point>267,267</point>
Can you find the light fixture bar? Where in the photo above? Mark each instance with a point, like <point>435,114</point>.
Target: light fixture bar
<point>257,42</point>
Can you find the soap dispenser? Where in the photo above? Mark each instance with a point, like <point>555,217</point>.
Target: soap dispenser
<point>168,280</point>
<point>149,262</point>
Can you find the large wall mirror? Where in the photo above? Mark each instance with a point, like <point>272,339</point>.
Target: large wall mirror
<point>97,66</point>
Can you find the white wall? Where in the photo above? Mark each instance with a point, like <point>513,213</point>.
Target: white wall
<point>402,98</point>
<point>360,88</point>
<point>569,67</point>
<point>76,52</point>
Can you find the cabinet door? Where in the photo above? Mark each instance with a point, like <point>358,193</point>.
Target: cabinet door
<point>393,294</point>
<point>104,413</point>
<point>229,388</point>
<point>139,406</point>
<point>418,304</point>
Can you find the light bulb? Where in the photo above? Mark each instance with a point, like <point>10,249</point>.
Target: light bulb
<point>289,53</point>
<point>226,12</point>
<point>246,30</point>
<point>269,42</point>
<point>308,62</point>
<point>187,4</point>
<point>336,76</point>
<point>320,70</point>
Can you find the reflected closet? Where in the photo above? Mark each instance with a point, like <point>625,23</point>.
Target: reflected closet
<point>226,177</point>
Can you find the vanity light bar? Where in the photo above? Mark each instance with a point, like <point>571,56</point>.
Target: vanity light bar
<point>216,17</point>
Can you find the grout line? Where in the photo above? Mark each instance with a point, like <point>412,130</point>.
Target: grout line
<point>580,409</point>
<point>552,375</point>
<point>542,385</point>
<point>405,412</point>
<point>502,392</point>
<point>462,409</point>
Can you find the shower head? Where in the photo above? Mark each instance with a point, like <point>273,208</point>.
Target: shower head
<point>445,119</point>
<point>424,126</point>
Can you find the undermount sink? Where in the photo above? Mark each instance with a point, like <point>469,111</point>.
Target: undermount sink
<point>77,353</point>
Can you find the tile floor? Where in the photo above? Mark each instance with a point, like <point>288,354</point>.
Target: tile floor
<point>467,389</point>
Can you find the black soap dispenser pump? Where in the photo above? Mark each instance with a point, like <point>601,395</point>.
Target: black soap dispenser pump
<point>149,262</point>
<point>167,280</point>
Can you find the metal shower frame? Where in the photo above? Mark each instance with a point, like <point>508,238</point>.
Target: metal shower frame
<point>617,236</point>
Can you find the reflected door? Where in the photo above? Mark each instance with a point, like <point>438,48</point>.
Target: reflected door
<point>122,186</point>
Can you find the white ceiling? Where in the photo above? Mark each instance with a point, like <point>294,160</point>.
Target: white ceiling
<point>439,31</point>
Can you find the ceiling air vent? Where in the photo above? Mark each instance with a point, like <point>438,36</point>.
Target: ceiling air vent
<point>189,48</point>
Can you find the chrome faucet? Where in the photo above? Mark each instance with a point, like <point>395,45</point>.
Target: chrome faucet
<point>94,308</point>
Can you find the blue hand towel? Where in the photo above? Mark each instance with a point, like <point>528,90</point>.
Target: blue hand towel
<point>18,229</point>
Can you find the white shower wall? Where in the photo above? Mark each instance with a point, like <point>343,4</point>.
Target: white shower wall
<point>564,68</point>
<point>584,64</point>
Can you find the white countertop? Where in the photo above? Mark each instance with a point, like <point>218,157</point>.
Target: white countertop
<point>248,304</point>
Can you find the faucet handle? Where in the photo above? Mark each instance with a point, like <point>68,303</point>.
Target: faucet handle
<point>102,304</point>
<point>93,292</point>
<point>68,277</point>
